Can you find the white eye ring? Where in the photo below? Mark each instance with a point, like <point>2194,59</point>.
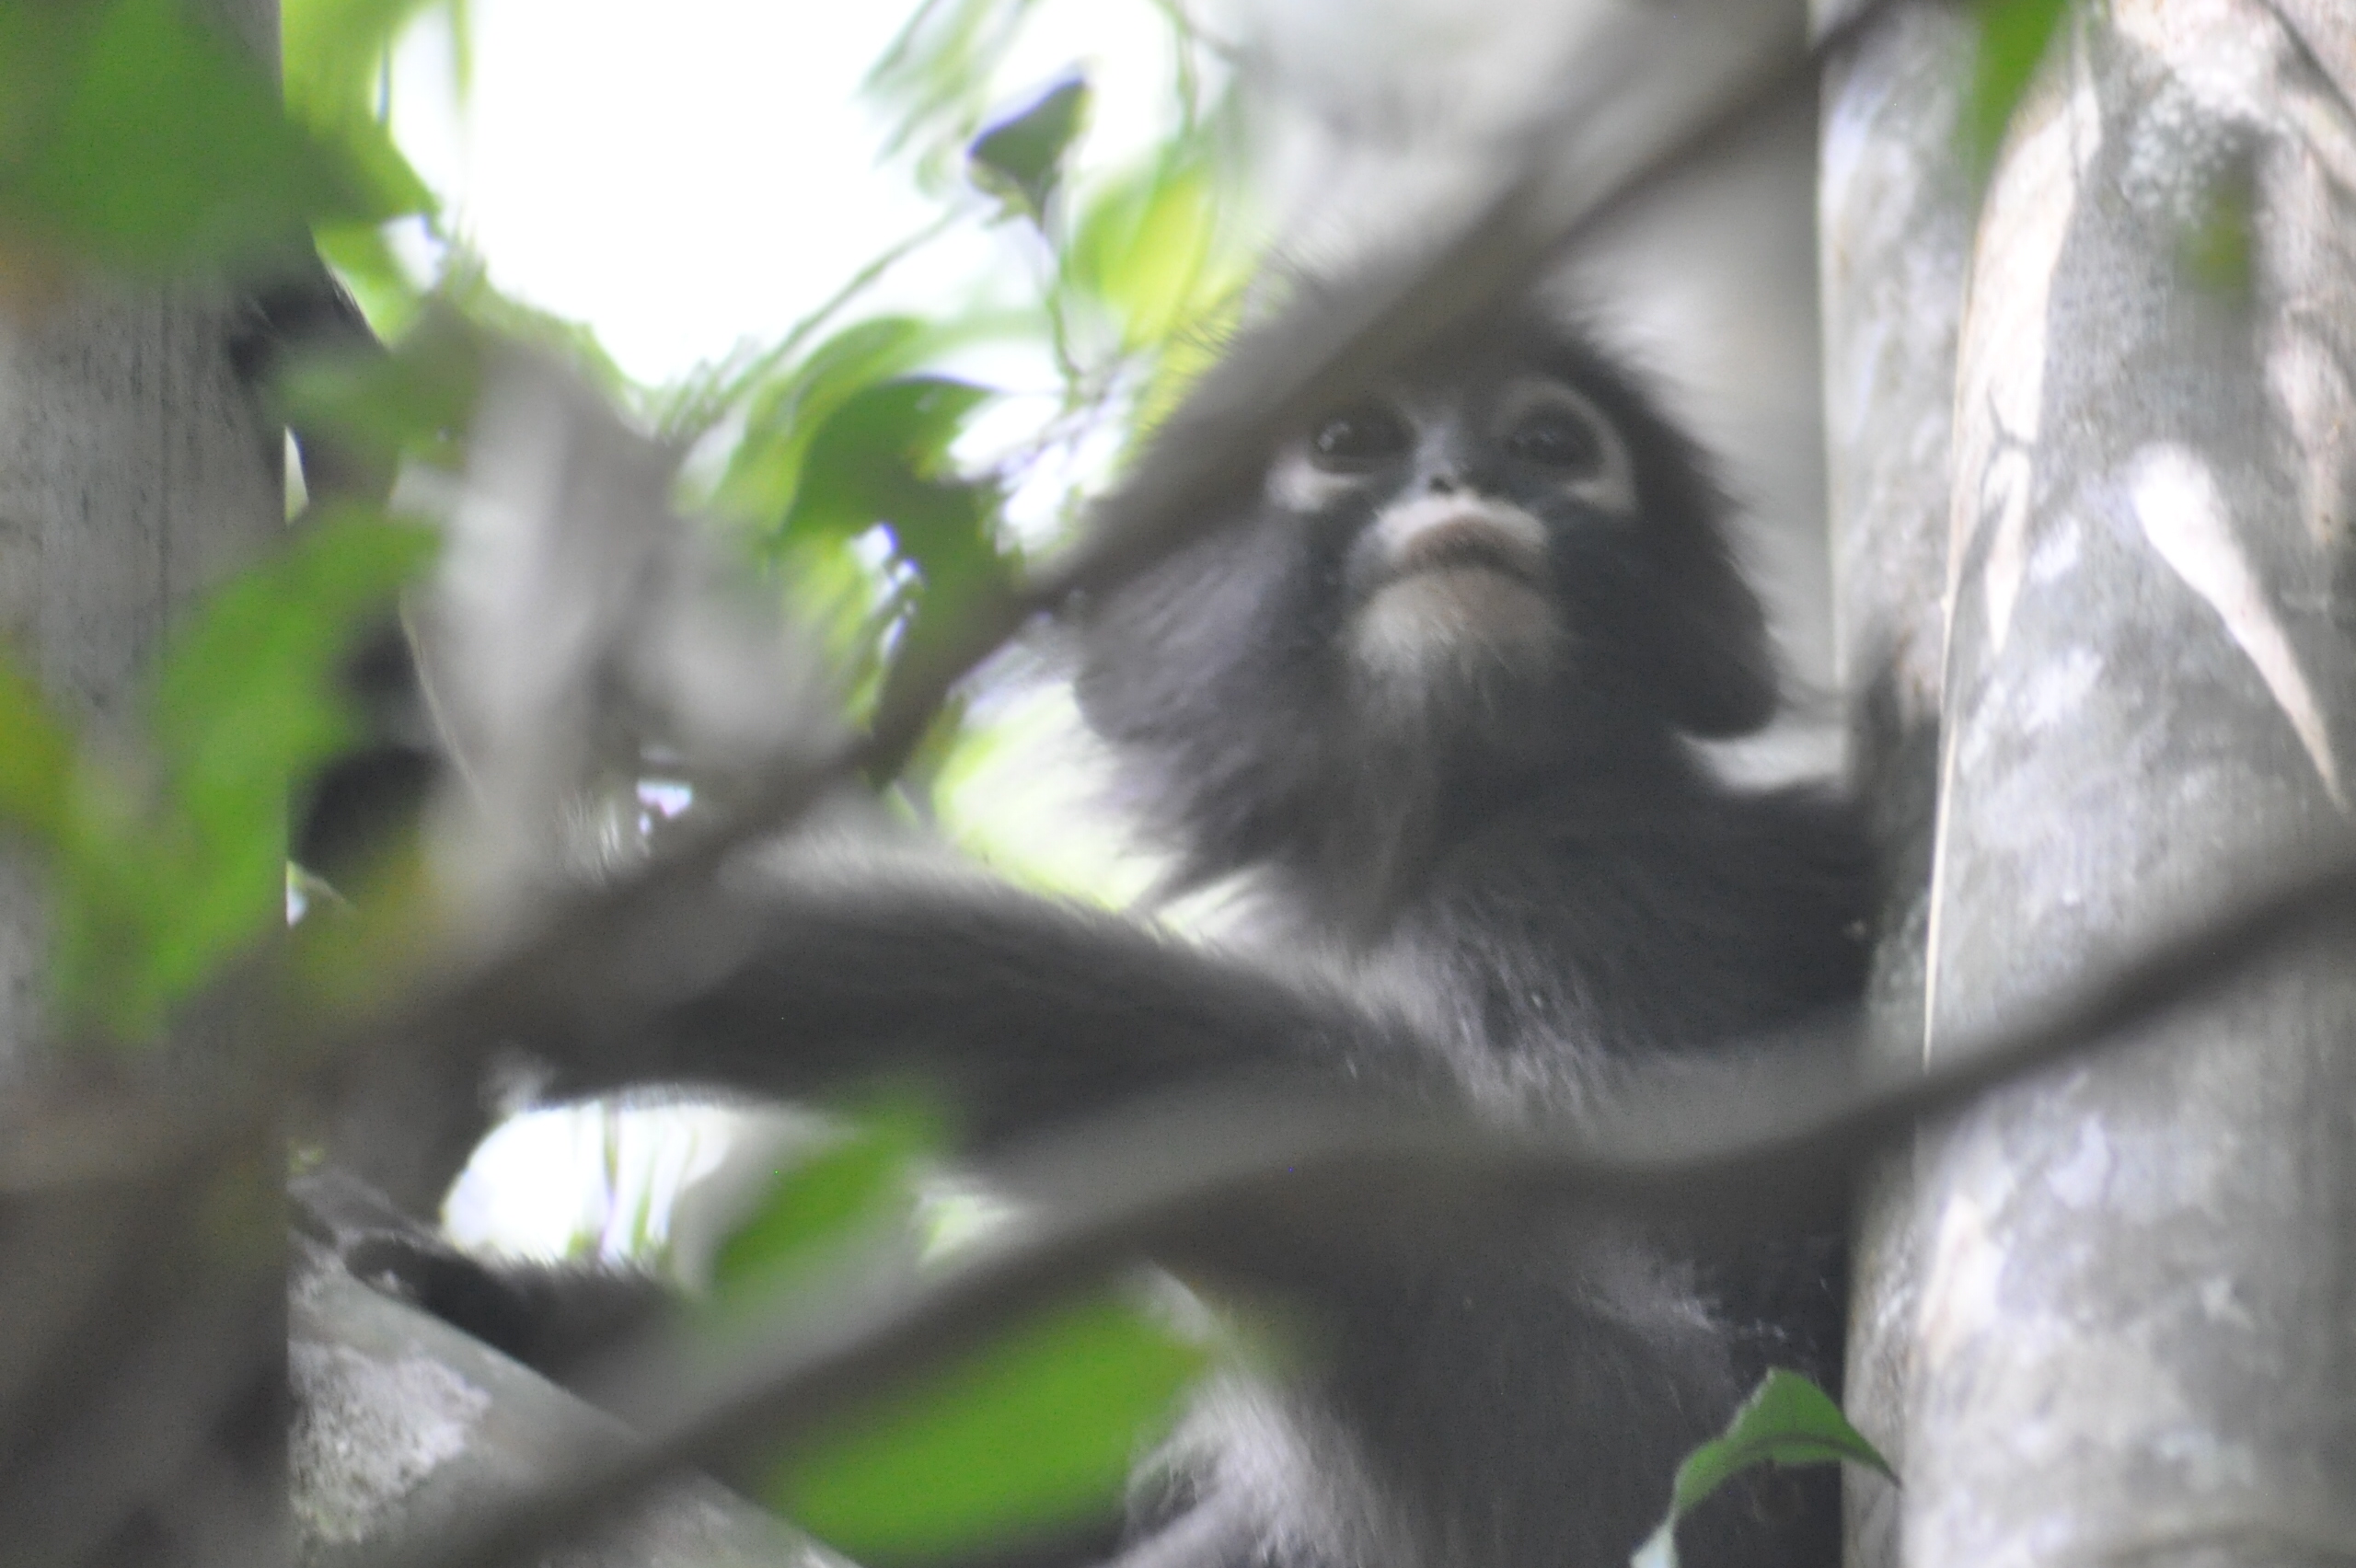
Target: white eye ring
<point>1607,482</point>
<point>1298,483</point>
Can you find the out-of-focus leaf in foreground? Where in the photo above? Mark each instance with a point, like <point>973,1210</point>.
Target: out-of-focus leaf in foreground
<point>336,56</point>
<point>418,401</point>
<point>867,1178</point>
<point>1141,248</point>
<point>139,139</point>
<point>1787,1420</point>
<point>784,413</point>
<point>882,459</point>
<point>1035,1433</point>
<point>154,884</point>
<point>334,53</point>
<point>883,456</point>
<point>1152,252</point>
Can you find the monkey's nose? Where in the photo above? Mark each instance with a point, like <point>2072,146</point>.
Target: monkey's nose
<point>1444,484</point>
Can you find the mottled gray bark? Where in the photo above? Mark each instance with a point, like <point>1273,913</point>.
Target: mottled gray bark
<point>136,470</point>
<point>142,1282</point>
<point>1894,208</point>
<point>405,1424</point>
<point>2134,1339</point>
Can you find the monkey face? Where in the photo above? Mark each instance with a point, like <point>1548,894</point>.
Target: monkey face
<point>1451,494</point>
<point>1498,567</point>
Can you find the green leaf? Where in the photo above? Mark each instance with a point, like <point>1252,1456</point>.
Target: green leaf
<point>334,54</point>
<point>149,902</point>
<point>784,414</point>
<point>1038,1431</point>
<point>363,262</point>
<point>2013,35</point>
<point>883,456</point>
<point>1148,249</point>
<point>163,147</point>
<point>824,1199</point>
<point>39,46</point>
<point>334,51</point>
<point>418,401</point>
<point>250,691</point>
<point>1787,1420</point>
<point>933,80</point>
<point>1020,156</point>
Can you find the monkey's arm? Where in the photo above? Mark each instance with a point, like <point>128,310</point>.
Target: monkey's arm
<point>1027,1010</point>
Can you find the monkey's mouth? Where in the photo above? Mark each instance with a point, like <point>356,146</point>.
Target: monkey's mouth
<point>1450,583</point>
<point>1468,544</point>
<point>1450,534</point>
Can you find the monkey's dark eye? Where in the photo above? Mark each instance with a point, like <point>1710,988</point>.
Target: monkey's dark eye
<point>1361,435</point>
<point>1563,439</point>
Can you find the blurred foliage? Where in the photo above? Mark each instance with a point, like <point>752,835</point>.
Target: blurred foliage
<point>1036,1432</point>
<point>846,465</point>
<point>935,81</point>
<point>1037,1429</point>
<point>2014,35</point>
<point>1787,1420</point>
<point>157,875</point>
<point>1019,157</point>
<point>334,67</point>
<point>416,402</point>
<point>866,1178</point>
<point>336,60</point>
<point>136,140</point>
<point>843,454</point>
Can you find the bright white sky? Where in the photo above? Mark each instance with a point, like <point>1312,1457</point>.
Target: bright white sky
<point>678,175</point>
<point>683,175</point>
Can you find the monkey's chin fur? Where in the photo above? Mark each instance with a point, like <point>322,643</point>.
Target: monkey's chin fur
<point>1453,632</point>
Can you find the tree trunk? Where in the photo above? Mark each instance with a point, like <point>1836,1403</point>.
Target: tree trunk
<point>1894,210</point>
<point>2133,1339</point>
<point>142,1318</point>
